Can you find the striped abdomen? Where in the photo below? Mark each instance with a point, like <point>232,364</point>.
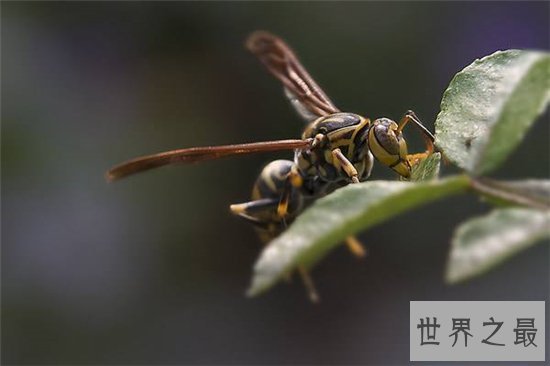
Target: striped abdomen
<point>270,185</point>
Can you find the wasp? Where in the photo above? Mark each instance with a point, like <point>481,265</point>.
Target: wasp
<point>336,148</point>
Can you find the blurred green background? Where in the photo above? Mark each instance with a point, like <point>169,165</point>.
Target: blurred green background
<point>153,269</point>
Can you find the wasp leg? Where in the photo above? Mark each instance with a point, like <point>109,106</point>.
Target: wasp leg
<point>342,162</point>
<point>355,247</point>
<point>293,180</point>
<point>282,206</point>
<point>308,284</point>
<point>253,206</point>
<point>410,116</point>
<point>429,139</point>
<point>318,140</point>
<point>246,210</point>
<point>243,210</point>
<point>352,243</point>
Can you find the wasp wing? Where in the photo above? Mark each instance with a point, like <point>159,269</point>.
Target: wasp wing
<point>299,107</point>
<point>309,100</point>
<point>198,154</point>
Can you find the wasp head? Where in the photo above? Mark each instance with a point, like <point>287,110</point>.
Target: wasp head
<point>388,146</point>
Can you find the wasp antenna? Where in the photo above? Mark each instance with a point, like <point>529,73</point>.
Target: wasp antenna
<point>309,285</point>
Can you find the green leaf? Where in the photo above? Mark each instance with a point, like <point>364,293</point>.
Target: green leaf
<point>346,211</point>
<point>489,106</point>
<point>483,242</point>
<point>427,169</point>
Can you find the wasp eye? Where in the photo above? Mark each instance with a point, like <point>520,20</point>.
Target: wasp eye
<point>384,131</point>
<point>388,145</point>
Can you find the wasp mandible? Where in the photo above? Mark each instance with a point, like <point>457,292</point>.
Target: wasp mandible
<point>336,148</point>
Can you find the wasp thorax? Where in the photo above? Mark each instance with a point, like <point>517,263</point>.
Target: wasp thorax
<point>388,146</point>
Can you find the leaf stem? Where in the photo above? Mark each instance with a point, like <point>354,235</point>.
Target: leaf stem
<point>493,189</point>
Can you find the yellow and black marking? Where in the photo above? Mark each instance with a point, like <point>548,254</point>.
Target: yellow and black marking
<point>337,148</point>
<point>340,150</point>
<point>388,146</point>
<point>276,199</point>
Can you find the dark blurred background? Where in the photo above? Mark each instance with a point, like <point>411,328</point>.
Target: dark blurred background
<point>153,269</point>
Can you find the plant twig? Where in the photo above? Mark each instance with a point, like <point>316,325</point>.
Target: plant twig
<point>491,188</point>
